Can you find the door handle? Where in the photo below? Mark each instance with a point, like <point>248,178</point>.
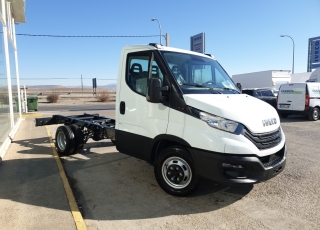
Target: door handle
<point>289,101</point>
<point>122,107</point>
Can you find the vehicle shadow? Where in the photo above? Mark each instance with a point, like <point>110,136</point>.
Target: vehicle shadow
<point>294,118</point>
<point>32,178</point>
<point>109,185</point>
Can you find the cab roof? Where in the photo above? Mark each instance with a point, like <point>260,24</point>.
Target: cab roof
<point>154,46</point>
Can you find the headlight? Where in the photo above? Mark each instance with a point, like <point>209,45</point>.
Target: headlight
<point>219,122</point>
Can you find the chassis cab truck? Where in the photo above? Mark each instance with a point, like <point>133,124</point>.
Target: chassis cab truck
<point>180,111</point>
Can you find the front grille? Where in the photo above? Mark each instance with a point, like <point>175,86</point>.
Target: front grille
<point>271,160</point>
<point>264,140</point>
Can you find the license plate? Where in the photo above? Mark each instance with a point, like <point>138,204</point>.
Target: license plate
<point>284,106</point>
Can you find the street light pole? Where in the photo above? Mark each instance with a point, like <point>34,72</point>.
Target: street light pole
<point>154,19</point>
<point>293,51</point>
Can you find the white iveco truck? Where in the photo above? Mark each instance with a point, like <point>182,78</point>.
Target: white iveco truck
<point>180,111</point>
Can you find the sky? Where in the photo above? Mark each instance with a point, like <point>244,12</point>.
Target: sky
<point>244,36</point>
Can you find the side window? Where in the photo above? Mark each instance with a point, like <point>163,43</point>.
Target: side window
<point>257,93</point>
<point>156,71</point>
<point>137,72</point>
<point>267,93</point>
<point>249,92</point>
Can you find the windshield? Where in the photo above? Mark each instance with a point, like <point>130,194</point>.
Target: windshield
<point>196,74</point>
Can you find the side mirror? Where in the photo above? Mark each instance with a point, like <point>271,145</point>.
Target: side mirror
<point>155,90</point>
<point>239,86</point>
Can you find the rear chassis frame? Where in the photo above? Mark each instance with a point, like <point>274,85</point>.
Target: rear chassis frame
<point>91,125</point>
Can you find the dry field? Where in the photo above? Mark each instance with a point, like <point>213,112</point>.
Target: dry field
<point>73,95</point>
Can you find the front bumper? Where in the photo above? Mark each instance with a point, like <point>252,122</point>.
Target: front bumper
<point>232,169</point>
<point>297,112</point>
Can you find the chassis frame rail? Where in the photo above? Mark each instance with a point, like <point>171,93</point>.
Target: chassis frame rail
<point>100,127</point>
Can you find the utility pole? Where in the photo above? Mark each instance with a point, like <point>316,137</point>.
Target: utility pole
<point>82,84</point>
<point>167,40</point>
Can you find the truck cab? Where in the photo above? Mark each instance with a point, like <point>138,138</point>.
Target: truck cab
<point>180,111</point>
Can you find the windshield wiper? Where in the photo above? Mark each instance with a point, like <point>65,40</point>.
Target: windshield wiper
<point>226,88</point>
<point>202,86</point>
<point>195,85</point>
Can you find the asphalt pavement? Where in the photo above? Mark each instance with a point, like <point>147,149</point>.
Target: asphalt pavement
<point>115,191</point>
<point>32,195</point>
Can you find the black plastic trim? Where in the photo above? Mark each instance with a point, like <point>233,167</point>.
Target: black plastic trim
<point>264,140</point>
<point>297,112</point>
<point>133,144</point>
<point>209,166</point>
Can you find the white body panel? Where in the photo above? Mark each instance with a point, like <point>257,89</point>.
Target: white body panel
<point>200,135</point>
<point>235,107</point>
<point>152,119</point>
<point>141,117</point>
<point>263,79</point>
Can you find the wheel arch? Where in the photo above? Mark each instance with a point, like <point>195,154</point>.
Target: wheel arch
<point>164,141</point>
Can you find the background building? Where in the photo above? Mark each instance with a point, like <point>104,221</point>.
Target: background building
<point>11,13</point>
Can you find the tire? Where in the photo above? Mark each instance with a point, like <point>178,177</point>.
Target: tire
<point>314,115</point>
<point>113,141</point>
<point>175,173</point>
<point>283,115</point>
<point>65,141</point>
<point>79,142</point>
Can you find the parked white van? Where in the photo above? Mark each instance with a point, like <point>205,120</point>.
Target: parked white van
<point>299,98</point>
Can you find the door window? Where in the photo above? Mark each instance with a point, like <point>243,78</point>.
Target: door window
<point>137,73</point>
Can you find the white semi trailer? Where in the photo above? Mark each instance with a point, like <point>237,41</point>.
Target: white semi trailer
<point>263,79</point>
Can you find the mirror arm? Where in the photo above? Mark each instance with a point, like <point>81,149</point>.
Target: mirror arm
<point>165,88</point>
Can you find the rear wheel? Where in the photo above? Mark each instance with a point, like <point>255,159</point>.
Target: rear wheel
<point>78,138</point>
<point>175,172</point>
<point>314,115</point>
<point>65,141</point>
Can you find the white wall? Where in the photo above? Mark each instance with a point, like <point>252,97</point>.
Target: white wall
<point>300,77</point>
<point>263,79</point>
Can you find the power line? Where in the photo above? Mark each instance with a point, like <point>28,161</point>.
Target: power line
<point>62,78</point>
<point>87,36</point>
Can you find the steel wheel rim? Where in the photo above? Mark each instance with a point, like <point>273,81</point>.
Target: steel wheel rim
<point>61,141</point>
<point>176,172</point>
<point>316,114</point>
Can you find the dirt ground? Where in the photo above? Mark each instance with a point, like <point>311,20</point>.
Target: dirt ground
<point>75,98</point>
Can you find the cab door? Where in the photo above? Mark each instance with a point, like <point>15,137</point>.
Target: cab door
<point>299,96</point>
<point>138,121</point>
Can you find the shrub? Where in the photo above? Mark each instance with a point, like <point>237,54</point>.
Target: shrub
<point>103,97</point>
<point>4,99</point>
<point>53,98</point>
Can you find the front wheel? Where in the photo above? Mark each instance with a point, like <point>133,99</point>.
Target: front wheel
<point>175,172</point>
<point>314,115</point>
